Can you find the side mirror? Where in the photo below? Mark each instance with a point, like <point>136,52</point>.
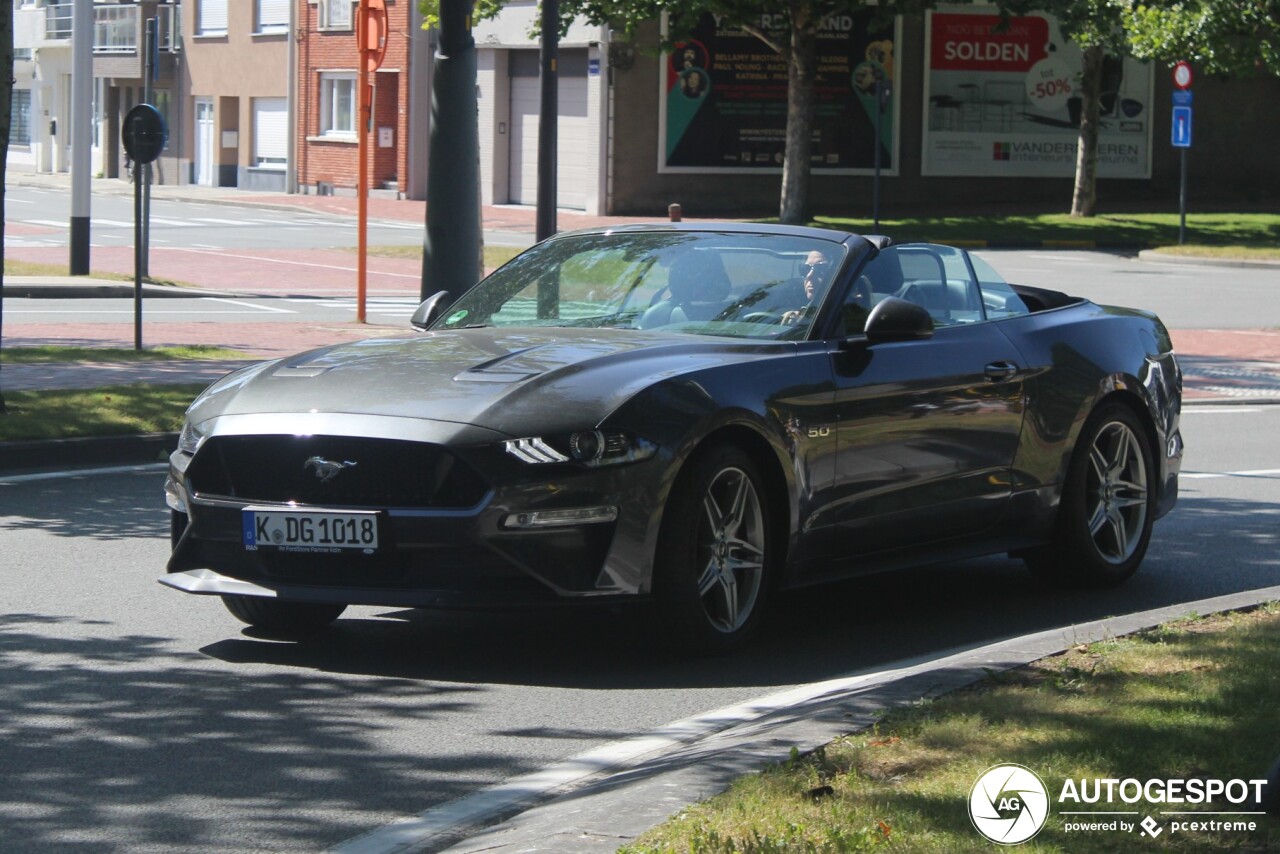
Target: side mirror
<point>896,319</point>
<point>430,310</point>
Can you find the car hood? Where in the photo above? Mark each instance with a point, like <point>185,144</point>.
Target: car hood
<point>508,380</point>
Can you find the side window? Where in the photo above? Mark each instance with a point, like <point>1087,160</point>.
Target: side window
<point>932,276</point>
<point>999,299</point>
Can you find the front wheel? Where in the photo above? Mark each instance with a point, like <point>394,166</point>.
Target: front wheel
<point>1106,513</point>
<point>715,554</point>
<point>279,615</point>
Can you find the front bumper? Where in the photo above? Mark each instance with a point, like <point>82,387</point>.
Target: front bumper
<point>435,557</point>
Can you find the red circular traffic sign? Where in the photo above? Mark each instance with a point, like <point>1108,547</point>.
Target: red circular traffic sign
<point>1182,75</point>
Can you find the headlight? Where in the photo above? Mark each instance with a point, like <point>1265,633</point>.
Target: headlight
<point>190,438</point>
<point>586,447</point>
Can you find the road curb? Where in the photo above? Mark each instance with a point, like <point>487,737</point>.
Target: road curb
<point>620,803</point>
<point>115,290</point>
<point>1156,257</point>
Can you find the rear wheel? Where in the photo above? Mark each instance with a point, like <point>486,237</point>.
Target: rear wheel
<point>715,553</point>
<point>1104,520</point>
<point>280,615</point>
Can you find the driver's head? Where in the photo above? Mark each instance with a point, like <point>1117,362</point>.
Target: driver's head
<point>815,270</point>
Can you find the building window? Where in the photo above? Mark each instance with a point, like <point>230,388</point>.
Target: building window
<point>20,118</point>
<point>338,104</point>
<point>335,14</point>
<point>270,133</point>
<point>273,16</point>
<point>211,18</point>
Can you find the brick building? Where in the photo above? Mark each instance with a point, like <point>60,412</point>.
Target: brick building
<point>325,109</point>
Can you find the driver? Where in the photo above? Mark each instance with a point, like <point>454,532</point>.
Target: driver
<point>816,271</point>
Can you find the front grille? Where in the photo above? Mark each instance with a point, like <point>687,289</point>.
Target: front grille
<point>386,472</point>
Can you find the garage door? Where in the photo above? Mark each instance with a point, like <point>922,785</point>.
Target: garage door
<point>571,148</point>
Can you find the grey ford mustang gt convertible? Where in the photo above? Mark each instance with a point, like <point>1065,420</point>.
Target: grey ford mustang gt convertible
<point>690,416</point>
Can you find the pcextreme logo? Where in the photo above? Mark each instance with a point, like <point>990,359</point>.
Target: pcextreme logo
<point>1009,804</point>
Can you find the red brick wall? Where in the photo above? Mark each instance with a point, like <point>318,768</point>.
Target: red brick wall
<point>337,162</point>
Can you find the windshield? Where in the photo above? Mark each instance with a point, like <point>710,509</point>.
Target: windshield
<point>705,283</point>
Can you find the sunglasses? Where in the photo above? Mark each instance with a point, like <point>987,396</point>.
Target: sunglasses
<point>808,268</point>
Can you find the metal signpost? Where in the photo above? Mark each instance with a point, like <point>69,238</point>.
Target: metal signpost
<point>884,91</point>
<point>144,135</point>
<point>1181,137</point>
<point>371,41</point>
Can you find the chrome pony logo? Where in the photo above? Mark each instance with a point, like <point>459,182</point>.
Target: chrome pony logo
<point>327,470</point>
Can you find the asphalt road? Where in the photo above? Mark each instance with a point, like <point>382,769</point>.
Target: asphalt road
<point>138,719</point>
<point>46,215</point>
<point>1185,296</point>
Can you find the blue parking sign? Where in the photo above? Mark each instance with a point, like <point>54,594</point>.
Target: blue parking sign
<point>1182,127</point>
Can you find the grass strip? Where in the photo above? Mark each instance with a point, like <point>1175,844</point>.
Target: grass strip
<point>1246,230</point>
<point>15,267</point>
<point>105,411</point>
<point>1195,698</point>
<point>51,353</point>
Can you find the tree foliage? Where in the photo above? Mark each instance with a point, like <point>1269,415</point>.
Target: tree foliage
<point>1239,38</point>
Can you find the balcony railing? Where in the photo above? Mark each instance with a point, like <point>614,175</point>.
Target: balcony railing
<point>57,21</point>
<point>115,29</point>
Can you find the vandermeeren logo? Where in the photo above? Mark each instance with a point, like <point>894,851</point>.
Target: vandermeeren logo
<point>1008,804</point>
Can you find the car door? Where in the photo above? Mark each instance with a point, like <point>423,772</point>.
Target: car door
<point>926,430</point>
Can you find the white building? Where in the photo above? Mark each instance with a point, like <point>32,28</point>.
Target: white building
<point>40,135</point>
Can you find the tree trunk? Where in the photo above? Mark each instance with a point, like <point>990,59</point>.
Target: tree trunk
<point>6,103</point>
<point>1085,197</point>
<point>801,68</point>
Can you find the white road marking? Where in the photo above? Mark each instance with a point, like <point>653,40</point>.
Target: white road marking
<point>218,221</point>
<point>49,222</point>
<point>1206,475</point>
<point>6,480</point>
<point>11,200</point>
<point>1221,410</point>
<point>253,305</point>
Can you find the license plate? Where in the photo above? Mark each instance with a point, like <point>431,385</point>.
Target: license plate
<point>313,531</point>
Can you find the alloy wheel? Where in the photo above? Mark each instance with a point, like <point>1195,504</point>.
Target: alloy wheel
<point>731,550</point>
<point>1116,490</point>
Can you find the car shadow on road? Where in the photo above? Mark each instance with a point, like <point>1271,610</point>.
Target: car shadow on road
<point>811,635</point>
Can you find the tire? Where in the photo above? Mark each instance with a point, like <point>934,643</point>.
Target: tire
<point>1107,508</point>
<point>715,554</point>
<point>282,616</point>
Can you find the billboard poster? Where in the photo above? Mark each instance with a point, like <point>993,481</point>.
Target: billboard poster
<point>723,98</point>
<point>1006,102</point>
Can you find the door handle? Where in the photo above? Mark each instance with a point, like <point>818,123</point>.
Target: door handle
<point>1000,371</point>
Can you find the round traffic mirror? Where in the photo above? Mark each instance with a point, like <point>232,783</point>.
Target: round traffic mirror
<point>143,133</point>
